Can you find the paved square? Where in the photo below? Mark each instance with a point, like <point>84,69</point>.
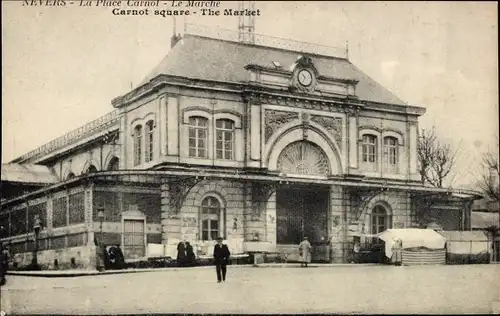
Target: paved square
<point>337,289</point>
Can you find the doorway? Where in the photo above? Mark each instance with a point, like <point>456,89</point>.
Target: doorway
<point>302,212</point>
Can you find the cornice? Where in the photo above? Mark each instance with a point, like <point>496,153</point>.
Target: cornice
<point>282,71</point>
<point>163,80</point>
<point>341,104</point>
<point>247,88</point>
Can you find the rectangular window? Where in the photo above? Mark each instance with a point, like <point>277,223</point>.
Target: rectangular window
<point>224,139</point>
<point>40,210</point>
<point>198,137</point>
<point>59,214</point>
<point>369,151</point>
<point>149,141</point>
<point>137,145</point>
<point>18,222</point>
<point>110,204</point>
<point>390,154</point>
<point>76,208</point>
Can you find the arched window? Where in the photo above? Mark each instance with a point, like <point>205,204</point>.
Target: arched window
<point>224,146</point>
<point>114,164</point>
<point>211,219</point>
<point>70,175</point>
<point>91,169</point>
<point>304,158</point>
<point>390,153</point>
<point>369,150</point>
<point>198,135</point>
<point>137,145</point>
<point>379,219</point>
<point>149,141</point>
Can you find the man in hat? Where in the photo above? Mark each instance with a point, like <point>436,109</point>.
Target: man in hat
<point>221,258</point>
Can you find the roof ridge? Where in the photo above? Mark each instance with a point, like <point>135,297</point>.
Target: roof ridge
<point>266,47</point>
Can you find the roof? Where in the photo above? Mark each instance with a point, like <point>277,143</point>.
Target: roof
<point>464,235</point>
<point>412,237</point>
<point>485,204</point>
<point>27,173</point>
<point>481,220</point>
<point>206,58</point>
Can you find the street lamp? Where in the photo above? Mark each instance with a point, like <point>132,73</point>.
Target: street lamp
<point>100,216</point>
<point>37,226</point>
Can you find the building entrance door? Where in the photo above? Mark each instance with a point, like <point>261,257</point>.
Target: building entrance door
<point>301,212</point>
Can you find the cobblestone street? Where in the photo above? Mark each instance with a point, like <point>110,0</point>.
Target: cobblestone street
<point>342,289</point>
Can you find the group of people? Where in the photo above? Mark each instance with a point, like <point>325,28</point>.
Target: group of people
<point>185,254</point>
<point>187,258</point>
<point>114,258</point>
<point>397,249</point>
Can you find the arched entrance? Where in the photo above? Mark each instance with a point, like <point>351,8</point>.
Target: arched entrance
<point>302,210</point>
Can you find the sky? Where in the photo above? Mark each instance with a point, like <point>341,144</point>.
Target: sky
<point>62,66</point>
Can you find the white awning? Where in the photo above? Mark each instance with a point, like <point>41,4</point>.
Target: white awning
<point>412,237</point>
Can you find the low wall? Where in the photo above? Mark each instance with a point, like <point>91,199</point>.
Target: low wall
<point>84,257</point>
<point>434,257</point>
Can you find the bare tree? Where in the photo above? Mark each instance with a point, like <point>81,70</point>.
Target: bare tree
<point>488,182</point>
<point>436,158</point>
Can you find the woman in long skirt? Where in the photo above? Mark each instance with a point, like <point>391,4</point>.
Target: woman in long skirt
<point>305,252</point>
<point>397,256</point>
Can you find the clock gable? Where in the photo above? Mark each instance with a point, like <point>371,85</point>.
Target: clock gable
<point>304,75</point>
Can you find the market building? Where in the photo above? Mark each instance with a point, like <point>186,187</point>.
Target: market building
<point>250,142</point>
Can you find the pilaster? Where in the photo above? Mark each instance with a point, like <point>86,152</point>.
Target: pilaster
<point>162,124</point>
<point>352,125</point>
<point>255,131</point>
<point>271,219</point>
<point>338,233</point>
<point>173,126</point>
<point>88,207</point>
<point>48,220</point>
<point>170,222</point>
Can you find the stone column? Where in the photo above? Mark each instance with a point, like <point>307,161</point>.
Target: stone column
<point>48,221</point>
<point>412,151</point>
<point>271,219</point>
<point>170,222</point>
<point>124,138</point>
<point>352,123</point>
<point>338,223</point>
<point>92,262</point>
<point>162,126</point>
<point>257,218</point>
<point>247,210</point>
<point>173,126</point>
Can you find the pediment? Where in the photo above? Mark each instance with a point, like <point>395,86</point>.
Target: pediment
<point>279,76</point>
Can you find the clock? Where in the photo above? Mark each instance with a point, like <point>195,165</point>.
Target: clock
<point>305,77</point>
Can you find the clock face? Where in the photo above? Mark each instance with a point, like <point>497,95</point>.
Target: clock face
<point>305,77</point>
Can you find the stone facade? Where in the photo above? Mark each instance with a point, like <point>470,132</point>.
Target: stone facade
<point>216,156</point>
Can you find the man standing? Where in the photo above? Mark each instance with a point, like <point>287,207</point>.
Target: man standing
<point>221,257</point>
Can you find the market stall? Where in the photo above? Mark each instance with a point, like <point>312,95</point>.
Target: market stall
<point>420,246</point>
